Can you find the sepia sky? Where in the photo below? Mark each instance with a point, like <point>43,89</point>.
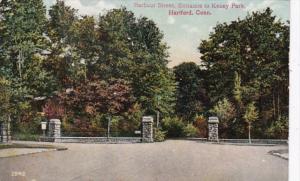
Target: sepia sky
<point>183,34</point>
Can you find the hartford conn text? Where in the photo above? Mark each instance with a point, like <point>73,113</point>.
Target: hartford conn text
<point>190,9</point>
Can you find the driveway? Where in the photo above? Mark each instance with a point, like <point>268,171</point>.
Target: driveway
<point>167,161</point>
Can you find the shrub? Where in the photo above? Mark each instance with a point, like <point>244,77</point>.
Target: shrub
<point>201,124</point>
<point>279,129</point>
<point>226,112</point>
<point>190,131</point>
<point>53,110</point>
<point>26,137</point>
<point>28,130</point>
<point>159,135</point>
<point>173,126</point>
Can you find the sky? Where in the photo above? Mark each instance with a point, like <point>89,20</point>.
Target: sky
<point>183,33</point>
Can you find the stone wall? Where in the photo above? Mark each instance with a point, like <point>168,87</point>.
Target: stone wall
<point>110,140</point>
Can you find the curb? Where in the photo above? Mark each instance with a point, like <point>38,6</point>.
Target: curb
<point>242,144</point>
<point>23,154</point>
<point>278,154</point>
<point>55,147</point>
<point>47,148</point>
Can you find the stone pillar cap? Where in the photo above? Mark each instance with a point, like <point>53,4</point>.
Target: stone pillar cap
<point>148,119</point>
<point>56,121</point>
<point>213,119</point>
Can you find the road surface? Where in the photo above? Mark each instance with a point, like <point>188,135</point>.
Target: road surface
<point>172,160</point>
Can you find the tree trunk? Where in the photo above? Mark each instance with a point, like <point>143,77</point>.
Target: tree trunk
<point>157,119</point>
<point>274,107</point>
<point>249,133</point>
<point>278,105</point>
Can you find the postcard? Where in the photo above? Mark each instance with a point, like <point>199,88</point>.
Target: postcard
<point>179,90</point>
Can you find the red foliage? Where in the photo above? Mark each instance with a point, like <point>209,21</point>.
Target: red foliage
<point>201,124</point>
<point>53,110</point>
<point>99,97</point>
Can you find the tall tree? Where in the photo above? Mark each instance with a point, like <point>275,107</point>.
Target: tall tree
<point>84,40</point>
<point>22,48</point>
<point>191,98</point>
<point>133,49</point>
<point>63,60</point>
<point>247,60</point>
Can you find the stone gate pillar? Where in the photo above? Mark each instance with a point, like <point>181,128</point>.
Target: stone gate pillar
<point>5,132</point>
<point>147,129</point>
<point>213,129</point>
<point>54,129</point>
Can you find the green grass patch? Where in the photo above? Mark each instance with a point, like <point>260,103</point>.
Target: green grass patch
<point>26,137</point>
<point>18,145</point>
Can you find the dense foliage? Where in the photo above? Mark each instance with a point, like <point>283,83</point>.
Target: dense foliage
<point>242,78</point>
<point>246,62</point>
<point>191,95</point>
<point>87,69</point>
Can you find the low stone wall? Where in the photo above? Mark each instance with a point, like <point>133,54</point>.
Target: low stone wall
<point>245,141</point>
<point>110,140</point>
<point>255,141</point>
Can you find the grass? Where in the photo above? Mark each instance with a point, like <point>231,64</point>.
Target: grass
<point>19,145</point>
<point>26,137</point>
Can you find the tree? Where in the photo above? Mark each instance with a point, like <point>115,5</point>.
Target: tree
<point>191,97</point>
<point>91,100</point>
<point>63,60</point>
<point>5,98</point>
<point>250,116</point>
<point>22,53</point>
<point>246,60</point>
<point>133,49</point>
<point>97,96</point>
<point>84,40</point>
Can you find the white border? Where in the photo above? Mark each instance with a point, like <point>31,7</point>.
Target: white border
<point>294,108</point>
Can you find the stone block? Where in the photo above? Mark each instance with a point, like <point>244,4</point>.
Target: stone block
<point>147,129</point>
<point>54,129</point>
<point>5,132</point>
<point>213,129</point>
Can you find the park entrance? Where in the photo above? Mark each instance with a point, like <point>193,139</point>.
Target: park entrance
<point>55,134</point>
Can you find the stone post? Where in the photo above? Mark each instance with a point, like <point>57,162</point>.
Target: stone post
<point>5,132</point>
<point>54,129</point>
<point>147,129</point>
<point>213,130</point>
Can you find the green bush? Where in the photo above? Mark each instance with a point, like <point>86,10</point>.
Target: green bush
<point>27,130</point>
<point>279,129</point>
<point>190,131</point>
<point>26,136</point>
<point>173,126</point>
<point>226,112</point>
<point>159,135</point>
